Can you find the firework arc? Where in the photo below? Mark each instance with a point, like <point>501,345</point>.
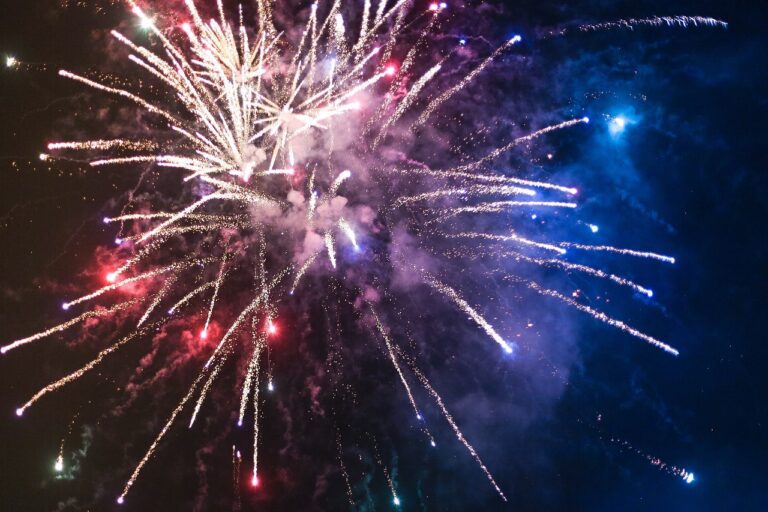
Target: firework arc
<point>256,120</point>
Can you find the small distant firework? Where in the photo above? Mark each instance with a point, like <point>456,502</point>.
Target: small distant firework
<point>244,105</point>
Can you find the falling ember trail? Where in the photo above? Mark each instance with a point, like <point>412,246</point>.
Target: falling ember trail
<point>599,315</point>
<point>687,476</point>
<point>469,310</point>
<point>456,430</point>
<point>97,313</point>
<point>656,21</point>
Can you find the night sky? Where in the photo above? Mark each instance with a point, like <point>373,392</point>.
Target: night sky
<point>573,425</point>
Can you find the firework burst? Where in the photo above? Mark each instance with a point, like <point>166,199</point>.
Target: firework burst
<point>253,117</point>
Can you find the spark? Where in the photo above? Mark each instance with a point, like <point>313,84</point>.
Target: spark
<point>469,310</point>
<point>96,313</point>
<point>599,315</point>
<point>86,368</point>
<point>626,252</point>
<point>657,21</point>
<point>456,430</point>
<point>445,96</point>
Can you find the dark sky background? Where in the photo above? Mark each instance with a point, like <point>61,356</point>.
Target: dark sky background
<point>686,177</point>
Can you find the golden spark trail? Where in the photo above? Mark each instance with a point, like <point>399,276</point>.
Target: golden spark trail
<point>251,374</point>
<point>157,299</point>
<point>90,145</point>
<point>407,101</point>
<point>256,390</point>
<point>200,289</point>
<point>85,369</point>
<point>97,313</point>
<point>216,288</point>
<point>237,460</point>
<point>442,98</point>
<point>204,392</point>
<point>302,270</point>
<point>349,232</point>
<point>657,21</point>
<point>255,303</point>
<point>153,446</point>
<point>516,142</point>
<point>152,273</point>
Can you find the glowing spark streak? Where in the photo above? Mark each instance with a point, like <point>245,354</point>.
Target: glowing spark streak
<point>456,430</point>
<point>236,462</point>
<point>489,178</point>
<point>103,144</point>
<point>120,92</point>
<point>165,215</point>
<point>464,306</point>
<point>474,191</point>
<point>330,249</point>
<point>206,388</point>
<point>582,268</point>
<point>190,295</point>
<point>159,437</point>
<point>167,233</point>
<point>434,104</point>
<point>393,358</point>
<point>256,390</point>
<point>255,303</point>
<point>58,328</point>
<point>407,101</point>
<point>364,22</point>
<point>157,299</point>
<point>599,315</point>
<point>216,288</point>
<point>627,252</point>
<point>343,176</point>
<point>347,229</point>
<point>185,211</point>
<point>657,21</point>
<point>687,476</point>
<point>140,277</point>
<point>508,238</point>
<point>404,68</point>
<point>85,369</point>
<point>302,270</point>
<point>520,140</point>
<point>250,375</point>
<point>498,206</point>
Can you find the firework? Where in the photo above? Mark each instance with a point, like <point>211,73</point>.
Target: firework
<point>249,110</point>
